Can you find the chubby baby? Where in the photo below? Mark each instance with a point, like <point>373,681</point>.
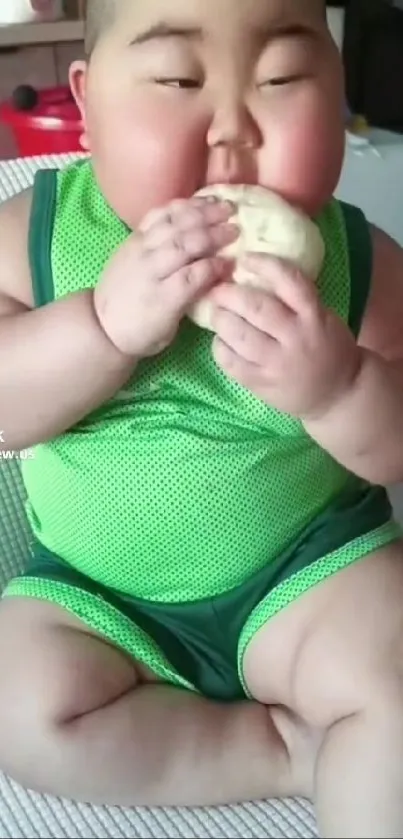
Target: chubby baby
<point>204,350</point>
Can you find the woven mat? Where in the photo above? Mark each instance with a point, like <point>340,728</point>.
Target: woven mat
<point>23,814</point>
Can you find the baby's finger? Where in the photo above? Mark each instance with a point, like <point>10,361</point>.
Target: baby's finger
<point>283,281</point>
<point>200,211</point>
<point>261,310</point>
<point>187,284</point>
<point>186,247</point>
<point>248,342</point>
<point>160,215</point>
<point>244,372</point>
<point>185,214</point>
<point>166,231</point>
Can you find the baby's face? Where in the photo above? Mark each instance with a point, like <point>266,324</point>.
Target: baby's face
<point>184,93</point>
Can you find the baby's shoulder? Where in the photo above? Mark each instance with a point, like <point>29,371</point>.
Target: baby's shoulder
<point>16,292</point>
<point>381,329</point>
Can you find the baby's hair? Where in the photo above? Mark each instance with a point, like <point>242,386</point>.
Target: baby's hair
<point>99,14</point>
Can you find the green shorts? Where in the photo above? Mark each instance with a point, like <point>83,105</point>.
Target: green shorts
<point>201,645</point>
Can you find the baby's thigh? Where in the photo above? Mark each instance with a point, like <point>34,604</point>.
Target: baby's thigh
<point>52,668</point>
<point>338,647</point>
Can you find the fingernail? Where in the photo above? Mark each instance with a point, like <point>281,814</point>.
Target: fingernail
<point>232,225</point>
<point>202,200</point>
<point>214,199</point>
<point>209,199</point>
<point>233,229</point>
<point>229,207</point>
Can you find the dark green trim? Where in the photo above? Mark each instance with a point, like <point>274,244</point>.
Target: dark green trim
<point>200,639</point>
<point>40,235</point>
<point>360,256</point>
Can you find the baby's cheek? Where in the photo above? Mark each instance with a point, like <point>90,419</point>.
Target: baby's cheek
<point>157,159</point>
<point>171,166</point>
<point>303,161</point>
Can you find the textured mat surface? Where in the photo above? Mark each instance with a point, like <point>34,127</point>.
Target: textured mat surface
<point>23,814</point>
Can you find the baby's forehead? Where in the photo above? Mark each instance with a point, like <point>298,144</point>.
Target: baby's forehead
<point>230,22</point>
<point>211,12</point>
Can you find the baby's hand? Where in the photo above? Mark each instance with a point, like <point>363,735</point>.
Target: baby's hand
<point>155,276</point>
<point>282,344</point>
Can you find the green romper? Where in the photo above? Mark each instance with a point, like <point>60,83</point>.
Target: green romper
<point>184,513</point>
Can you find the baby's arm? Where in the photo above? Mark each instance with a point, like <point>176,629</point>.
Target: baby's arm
<point>364,430</point>
<point>62,361</point>
<point>56,363</point>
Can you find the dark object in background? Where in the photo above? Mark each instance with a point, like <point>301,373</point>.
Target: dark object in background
<point>45,121</point>
<point>373,60</point>
<point>25,97</point>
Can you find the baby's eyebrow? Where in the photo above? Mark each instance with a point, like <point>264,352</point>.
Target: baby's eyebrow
<point>286,30</point>
<point>165,30</point>
<point>266,35</point>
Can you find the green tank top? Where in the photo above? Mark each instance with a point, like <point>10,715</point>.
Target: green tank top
<point>184,483</point>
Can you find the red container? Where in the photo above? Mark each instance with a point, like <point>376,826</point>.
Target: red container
<point>52,126</point>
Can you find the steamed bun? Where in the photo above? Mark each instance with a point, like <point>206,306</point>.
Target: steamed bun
<point>268,224</point>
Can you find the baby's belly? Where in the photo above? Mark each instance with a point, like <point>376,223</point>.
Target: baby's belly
<point>173,520</point>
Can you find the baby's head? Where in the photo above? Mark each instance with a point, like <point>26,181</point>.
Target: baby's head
<point>177,94</point>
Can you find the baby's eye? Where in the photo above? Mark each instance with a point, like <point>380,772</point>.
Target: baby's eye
<point>180,84</point>
<point>281,80</point>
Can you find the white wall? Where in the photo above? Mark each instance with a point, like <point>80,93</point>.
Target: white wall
<point>373,180</point>
<point>335,21</point>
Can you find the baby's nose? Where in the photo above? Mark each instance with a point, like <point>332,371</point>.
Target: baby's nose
<point>233,125</point>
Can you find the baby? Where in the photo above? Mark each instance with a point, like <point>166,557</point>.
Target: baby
<point>214,606</point>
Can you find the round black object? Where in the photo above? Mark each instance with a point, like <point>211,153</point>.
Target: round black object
<point>25,97</point>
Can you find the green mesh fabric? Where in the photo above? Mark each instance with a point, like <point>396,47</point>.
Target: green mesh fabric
<point>85,233</point>
<point>184,484</point>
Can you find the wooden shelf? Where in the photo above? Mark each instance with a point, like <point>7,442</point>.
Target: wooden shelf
<point>41,33</point>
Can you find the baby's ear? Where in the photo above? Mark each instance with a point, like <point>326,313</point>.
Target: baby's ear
<point>78,85</point>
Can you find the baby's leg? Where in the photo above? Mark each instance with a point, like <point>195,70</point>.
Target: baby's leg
<point>78,719</point>
<point>344,673</point>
